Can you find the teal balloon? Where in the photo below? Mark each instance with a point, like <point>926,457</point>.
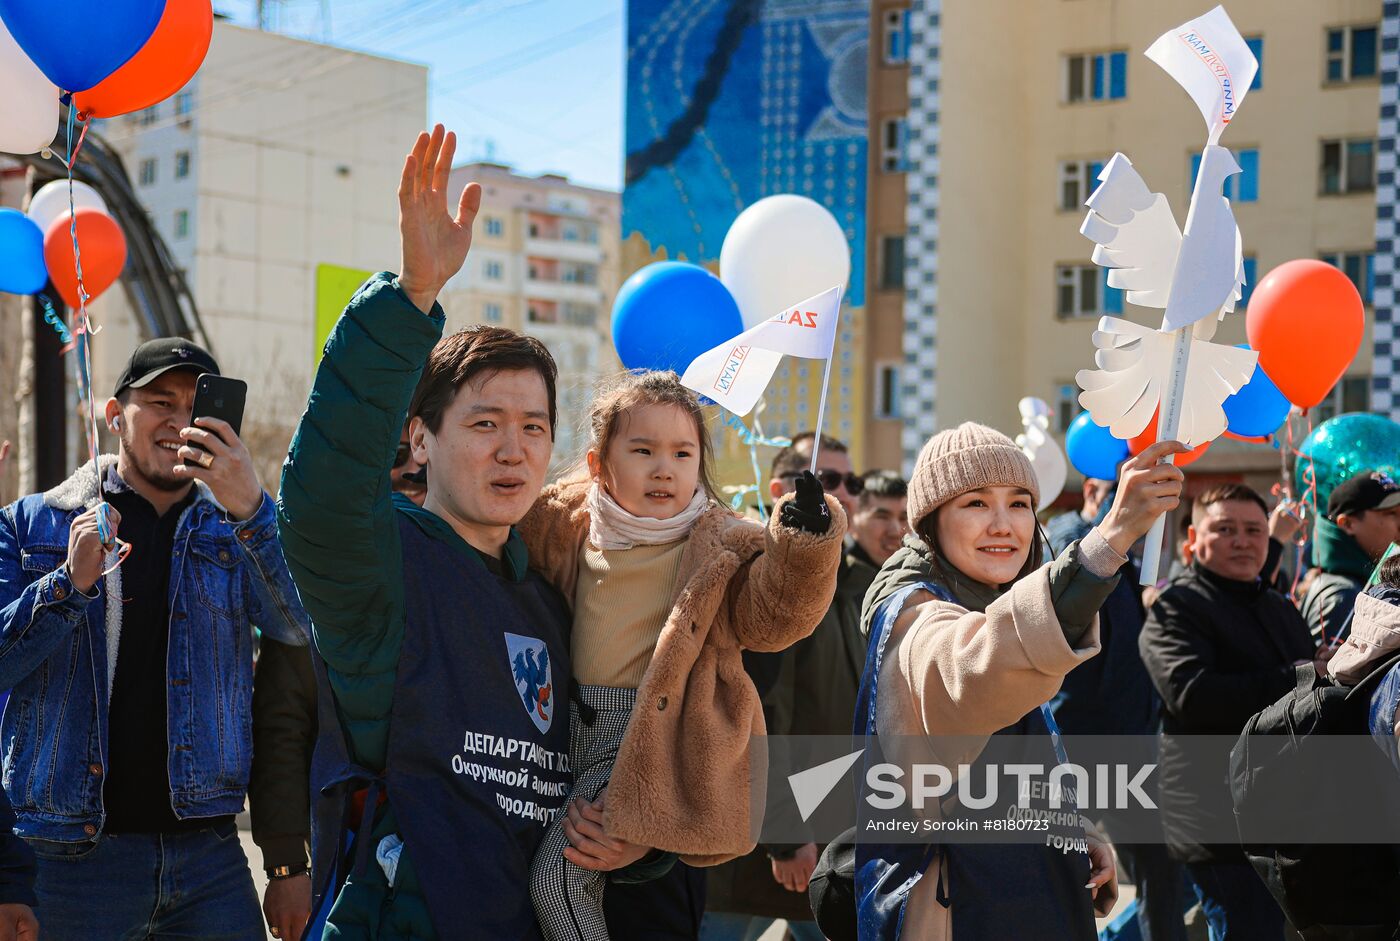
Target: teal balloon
<point>1342,447</point>
<point>22,269</point>
<point>1092,450</point>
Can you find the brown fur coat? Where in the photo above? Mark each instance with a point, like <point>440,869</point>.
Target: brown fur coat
<point>685,774</point>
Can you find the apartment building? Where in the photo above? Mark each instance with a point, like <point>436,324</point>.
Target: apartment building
<point>280,157</point>
<point>994,119</point>
<point>544,260</point>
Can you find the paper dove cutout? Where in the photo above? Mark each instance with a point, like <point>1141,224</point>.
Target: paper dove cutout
<point>1047,460</point>
<point>1137,239</point>
<point>1134,365</point>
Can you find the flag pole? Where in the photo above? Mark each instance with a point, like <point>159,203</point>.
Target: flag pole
<point>826,381</point>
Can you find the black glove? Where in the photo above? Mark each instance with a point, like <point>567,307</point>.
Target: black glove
<point>807,511</point>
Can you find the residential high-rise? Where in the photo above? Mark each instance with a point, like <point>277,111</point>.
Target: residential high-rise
<point>544,260</point>
<point>1010,118</point>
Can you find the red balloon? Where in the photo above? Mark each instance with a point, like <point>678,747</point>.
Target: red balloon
<point>163,65</point>
<point>1306,320</point>
<point>1142,442</point>
<point>103,249</point>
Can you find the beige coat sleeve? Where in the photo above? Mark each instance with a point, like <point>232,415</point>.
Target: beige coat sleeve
<point>780,597</point>
<point>969,673</point>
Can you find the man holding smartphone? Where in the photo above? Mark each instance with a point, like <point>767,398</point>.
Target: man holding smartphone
<point>128,738</point>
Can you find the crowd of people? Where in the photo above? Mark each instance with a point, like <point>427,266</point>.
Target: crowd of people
<point>487,705</point>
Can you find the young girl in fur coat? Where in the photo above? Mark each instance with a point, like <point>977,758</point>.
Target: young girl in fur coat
<point>667,587</point>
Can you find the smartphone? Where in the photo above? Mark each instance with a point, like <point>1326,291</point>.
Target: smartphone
<point>218,397</point>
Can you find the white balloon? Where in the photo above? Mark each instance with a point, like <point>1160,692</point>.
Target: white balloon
<point>780,251</point>
<point>51,201</point>
<point>28,101</point>
<point>1047,460</point>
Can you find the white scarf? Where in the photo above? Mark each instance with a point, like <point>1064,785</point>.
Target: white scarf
<point>612,527</point>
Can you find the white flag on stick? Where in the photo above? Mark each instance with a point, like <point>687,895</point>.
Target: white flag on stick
<point>735,373</point>
<point>1209,59</point>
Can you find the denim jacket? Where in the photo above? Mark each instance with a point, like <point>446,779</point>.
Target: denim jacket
<point>58,656</point>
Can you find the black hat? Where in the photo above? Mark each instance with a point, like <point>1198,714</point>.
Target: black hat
<point>1371,490</point>
<point>155,357</point>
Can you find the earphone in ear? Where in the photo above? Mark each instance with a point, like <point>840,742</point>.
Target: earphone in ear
<point>116,423</point>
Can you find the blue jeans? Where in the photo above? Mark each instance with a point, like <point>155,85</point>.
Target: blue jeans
<point>1237,904</point>
<point>134,886</point>
<point>726,926</point>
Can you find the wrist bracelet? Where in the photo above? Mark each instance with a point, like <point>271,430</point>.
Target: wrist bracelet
<point>285,872</point>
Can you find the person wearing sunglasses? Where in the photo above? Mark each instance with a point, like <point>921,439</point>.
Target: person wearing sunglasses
<point>808,689</point>
<point>833,469</point>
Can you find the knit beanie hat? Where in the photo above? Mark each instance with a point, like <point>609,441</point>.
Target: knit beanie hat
<point>968,457</point>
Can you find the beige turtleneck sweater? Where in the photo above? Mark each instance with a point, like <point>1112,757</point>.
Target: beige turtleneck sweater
<point>621,604</point>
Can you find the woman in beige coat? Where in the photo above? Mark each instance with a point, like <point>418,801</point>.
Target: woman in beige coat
<point>969,636</point>
<point>667,588</point>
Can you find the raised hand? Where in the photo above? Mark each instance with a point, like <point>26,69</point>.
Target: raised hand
<point>1146,490</point>
<point>434,243</point>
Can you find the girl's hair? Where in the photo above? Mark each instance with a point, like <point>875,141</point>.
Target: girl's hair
<point>640,388</point>
<point>1390,571</point>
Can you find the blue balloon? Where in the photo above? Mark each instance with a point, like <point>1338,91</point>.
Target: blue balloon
<point>1259,408</point>
<point>1092,450</point>
<point>78,43</point>
<point>22,268</point>
<point>670,312</point>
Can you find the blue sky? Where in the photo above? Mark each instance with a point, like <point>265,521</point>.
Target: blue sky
<point>533,83</point>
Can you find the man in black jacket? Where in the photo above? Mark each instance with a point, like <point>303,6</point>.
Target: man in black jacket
<point>1220,645</point>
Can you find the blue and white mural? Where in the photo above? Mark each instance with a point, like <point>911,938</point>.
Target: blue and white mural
<point>729,101</point>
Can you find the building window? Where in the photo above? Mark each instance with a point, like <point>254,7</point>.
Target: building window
<point>491,313</point>
<point>1256,46</point>
<point>892,263</point>
<point>1067,407</point>
<point>1251,267</point>
<point>1351,53</point>
<point>494,227</point>
<point>1083,291</point>
<point>491,270</point>
<point>149,115</point>
<point>1359,267</point>
<point>182,223</point>
<point>894,145</point>
<point>580,315</point>
<point>182,164</point>
<point>1242,187</point>
<point>184,104</point>
<point>887,390</point>
<point>1348,166</point>
<point>1350,394</point>
<point>1077,180</point>
<point>1099,76</point>
<point>590,235</point>
<point>896,37</point>
<point>579,274</point>
<point>148,171</point>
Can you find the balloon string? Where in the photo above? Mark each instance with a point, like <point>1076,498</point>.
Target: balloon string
<point>82,333</point>
<point>753,440</point>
